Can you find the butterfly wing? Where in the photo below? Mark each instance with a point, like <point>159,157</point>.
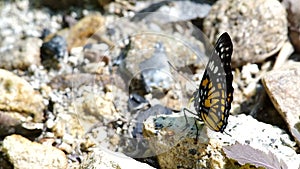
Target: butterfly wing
<point>213,99</point>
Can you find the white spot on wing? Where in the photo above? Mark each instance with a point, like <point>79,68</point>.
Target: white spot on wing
<point>211,65</point>
<point>216,70</point>
<point>222,49</point>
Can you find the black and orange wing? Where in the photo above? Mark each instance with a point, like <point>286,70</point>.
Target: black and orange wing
<point>213,99</point>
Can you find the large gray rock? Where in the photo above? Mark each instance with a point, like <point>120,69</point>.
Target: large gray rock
<point>258,28</point>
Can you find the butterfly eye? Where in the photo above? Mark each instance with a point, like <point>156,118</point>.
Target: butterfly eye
<point>212,101</point>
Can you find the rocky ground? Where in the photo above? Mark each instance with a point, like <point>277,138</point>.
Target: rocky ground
<point>102,84</point>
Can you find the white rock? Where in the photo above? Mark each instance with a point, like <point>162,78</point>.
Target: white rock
<point>100,158</point>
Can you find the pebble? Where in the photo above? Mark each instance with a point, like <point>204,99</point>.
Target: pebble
<point>53,50</point>
<point>249,72</point>
<point>65,147</point>
<point>250,90</point>
<point>136,102</point>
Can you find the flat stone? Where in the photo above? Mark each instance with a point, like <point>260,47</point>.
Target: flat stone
<point>23,153</point>
<point>18,98</point>
<point>282,86</point>
<point>175,146</point>
<point>258,28</point>
<point>106,159</point>
<point>261,136</point>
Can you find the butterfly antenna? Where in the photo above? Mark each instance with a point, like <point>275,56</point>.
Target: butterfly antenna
<point>174,68</point>
<point>227,134</point>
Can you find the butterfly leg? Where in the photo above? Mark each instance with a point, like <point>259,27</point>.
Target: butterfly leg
<point>187,125</point>
<point>186,120</point>
<point>197,132</point>
<point>185,116</point>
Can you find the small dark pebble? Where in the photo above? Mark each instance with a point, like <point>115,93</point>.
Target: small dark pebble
<point>52,50</point>
<point>123,54</point>
<point>192,151</point>
<point>137,102</point>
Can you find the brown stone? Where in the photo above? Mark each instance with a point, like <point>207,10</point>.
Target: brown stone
<point>23,153</point>
<point>18,98</point>
<point>83,30</point>
<point>282,86</point>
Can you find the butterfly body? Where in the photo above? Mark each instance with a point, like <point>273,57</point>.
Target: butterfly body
<point>212,101</point>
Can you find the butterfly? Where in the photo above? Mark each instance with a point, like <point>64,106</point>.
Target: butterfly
<point>212,101</point>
